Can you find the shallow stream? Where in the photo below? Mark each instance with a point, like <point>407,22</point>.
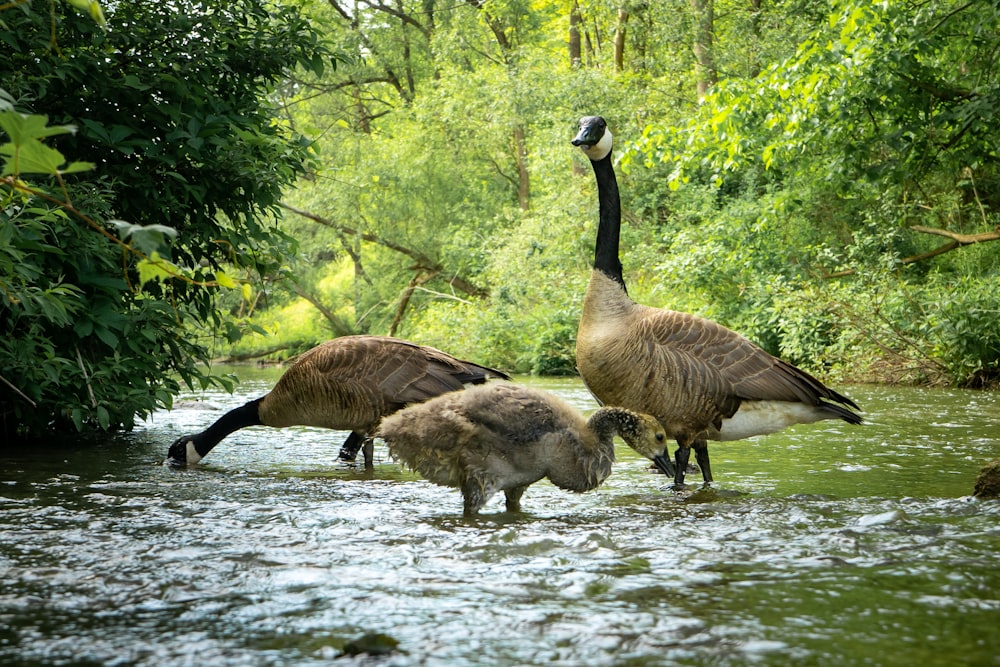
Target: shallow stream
<point>822,545</point>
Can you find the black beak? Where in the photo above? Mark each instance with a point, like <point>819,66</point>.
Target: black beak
<point>586,138</point>
<point>591,130</point>
<point>663,462</point>
<point>177,454</point>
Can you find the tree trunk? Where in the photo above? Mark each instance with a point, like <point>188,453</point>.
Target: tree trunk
<point>575,53</point>
<point>620,39</point>
<point>755,36</point>
<point>704,15</point>
<point>523,177</point>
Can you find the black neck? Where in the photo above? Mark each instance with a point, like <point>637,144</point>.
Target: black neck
<point>609,228</point>
<point>234,420</point>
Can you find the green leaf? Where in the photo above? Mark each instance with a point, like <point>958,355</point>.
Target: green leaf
<point>154,269</point>
<point>77,416</point>
<point>26,153</point>
<point>103,418</point>
<point>30,157</point>
<point>106,337</point>
<point>224,280</point>
<point>25,127</point>
<point>91,7</point>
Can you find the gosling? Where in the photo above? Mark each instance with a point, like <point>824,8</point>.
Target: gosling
<point>504,437</point>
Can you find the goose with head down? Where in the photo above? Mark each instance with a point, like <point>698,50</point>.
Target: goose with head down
<point>348,383</point>
<point>701,380</point>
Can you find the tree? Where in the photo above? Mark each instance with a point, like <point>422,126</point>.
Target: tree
<point>842,156</point>
<point>101,270</point>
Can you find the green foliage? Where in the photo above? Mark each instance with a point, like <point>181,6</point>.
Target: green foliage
<point>832,131</point>
<point>446,204</point>
<point>879,121</point>
<point>961,327</point>
<point>100,269</point>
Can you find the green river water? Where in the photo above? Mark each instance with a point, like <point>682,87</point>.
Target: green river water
<point>821,545</point>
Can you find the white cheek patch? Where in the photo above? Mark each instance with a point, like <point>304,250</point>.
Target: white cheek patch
<point>191,454</point>
<point>600,150</point>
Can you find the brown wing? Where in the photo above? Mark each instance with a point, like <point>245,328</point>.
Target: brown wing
<point>419,372</point>
<point>353,381</point>
<point>731,366</point>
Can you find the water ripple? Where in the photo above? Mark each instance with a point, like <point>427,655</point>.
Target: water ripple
<point>277,555</point>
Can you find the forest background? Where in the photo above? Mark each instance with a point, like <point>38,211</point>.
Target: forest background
<point>186,181</point>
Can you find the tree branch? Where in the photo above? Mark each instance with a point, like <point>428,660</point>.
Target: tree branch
<point>957,241</point>
<point>404,300</point>
<point>337,324</point>
<point>18,391</point>
<point>960,239</point>
<point>423,262</point>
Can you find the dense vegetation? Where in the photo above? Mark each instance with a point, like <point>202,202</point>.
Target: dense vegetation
<point>821,176</point>
<point>109,267</point>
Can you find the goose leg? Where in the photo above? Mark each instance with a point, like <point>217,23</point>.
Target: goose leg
<point>681,458</point>
<point>701,455</point>
<point>514,498</point>
<point>368,449</point>
<point>349,450</point>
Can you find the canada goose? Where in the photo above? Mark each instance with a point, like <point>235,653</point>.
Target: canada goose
<point>701,380</point>
<point>346,383</point>
<point>503,437</point>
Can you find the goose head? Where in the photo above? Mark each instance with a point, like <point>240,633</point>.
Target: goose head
<point>183,451</point>
<point>646,436</point>
<point>593,138</point>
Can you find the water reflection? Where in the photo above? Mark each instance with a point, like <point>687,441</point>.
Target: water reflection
<point>825,544</point>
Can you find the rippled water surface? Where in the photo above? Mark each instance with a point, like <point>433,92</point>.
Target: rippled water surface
<point>822,545</point>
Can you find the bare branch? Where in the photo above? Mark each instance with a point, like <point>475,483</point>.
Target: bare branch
<point>957,241</point>
<point>17,391</point>
<point>337,324</point>
<point>423,262</point>
<point>960,239</point>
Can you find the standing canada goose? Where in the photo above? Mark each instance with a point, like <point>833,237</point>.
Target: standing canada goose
<point>701,380</point>
<point>504,437</point>
<point>348,383</point>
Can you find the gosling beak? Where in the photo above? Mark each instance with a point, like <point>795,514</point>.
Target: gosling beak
<point>663,462</point>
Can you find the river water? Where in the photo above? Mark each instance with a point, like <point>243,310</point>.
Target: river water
<point>822,545</point>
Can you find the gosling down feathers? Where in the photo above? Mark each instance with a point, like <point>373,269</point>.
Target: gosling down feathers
<point>504,437</point>
<point>699,379</point>
<point>349,383</point>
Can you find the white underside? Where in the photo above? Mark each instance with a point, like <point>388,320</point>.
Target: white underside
<point>762,417</point>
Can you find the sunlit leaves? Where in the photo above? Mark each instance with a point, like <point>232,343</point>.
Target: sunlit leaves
<point>24,152</point>
<point>91,8</point>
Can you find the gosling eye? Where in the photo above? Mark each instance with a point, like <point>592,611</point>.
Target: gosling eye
<point>660,437</point>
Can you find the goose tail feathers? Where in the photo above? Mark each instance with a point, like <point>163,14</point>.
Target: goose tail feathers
<point>840,412</point>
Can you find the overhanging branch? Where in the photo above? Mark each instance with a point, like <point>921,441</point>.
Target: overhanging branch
<point>957,241</point>
<point>422,261</point>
